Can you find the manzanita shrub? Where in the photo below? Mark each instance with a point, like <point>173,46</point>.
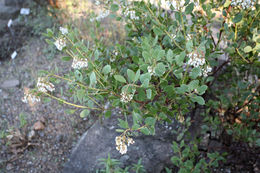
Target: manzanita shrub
<point>164,66</point>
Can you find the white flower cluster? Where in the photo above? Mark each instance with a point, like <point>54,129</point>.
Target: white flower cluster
<point>128,10</point>
<point>60,43</point>
<point>188,37</point>
<point>151,70</point>
<point>243,3</point>
<point>126,97</point>
<point>115,52</point>
<point>122,142</point>
<point>97,3</point>
<point>112,58</point>
<point>124,4</point>
<point>195,60</point>
<point>31,98</point>
<point>44,86</point>
<point>206,70</point>
<point>64,31</point>
<point>101,15</point>
<point>173,36</point>
<point>79,63</point>
<point>131,14</point>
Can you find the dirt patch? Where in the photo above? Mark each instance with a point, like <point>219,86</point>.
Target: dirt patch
<point>49,148</point>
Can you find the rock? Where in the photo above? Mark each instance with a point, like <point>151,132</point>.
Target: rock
<point>3,25</point>
<point>215,145</point>
<point>204,142</point>
<point>31,135</point>
<point>38,126</point>
<point>59,138</point>
<point>99,141</point>
<point>9,137</point>
<point>42,119</point>
<point>256,167</point>
<point>14,2</point>
<point>9,166</point>
<point>41,134</point>
<point>4,95</point>
<point>7,13</point>
<point>10,83</point>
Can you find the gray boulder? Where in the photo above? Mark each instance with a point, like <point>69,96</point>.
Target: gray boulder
<point>7,12</point>
<point>14,2</point>
<point>3,26</point>
<point>99,141</point>
<point>10,83</point>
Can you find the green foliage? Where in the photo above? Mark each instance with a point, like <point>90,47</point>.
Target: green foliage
<point>113,166</point>
<point>188,158</point>
<point>237,103</point>
<point>22,119</point>
<point>165,67</point>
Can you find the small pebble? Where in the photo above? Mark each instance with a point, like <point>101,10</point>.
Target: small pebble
<point>31,134</point>
<point>25,11</point>
<point>41,133</point>
<point>38,126</point>
<point>9,166</point>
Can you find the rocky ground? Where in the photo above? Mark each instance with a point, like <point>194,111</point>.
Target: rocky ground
<point>39,138</point>
<point>32,139</point>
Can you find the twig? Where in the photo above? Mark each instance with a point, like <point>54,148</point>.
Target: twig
<point>242,56</point>
<point>68,103</point>
<point>216,71</point>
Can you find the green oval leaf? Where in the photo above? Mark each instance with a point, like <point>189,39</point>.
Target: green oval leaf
<point>237,18</point>
<point>137,75</point>
<point>93,79</point>
<point>106,69</point>
<point>150,121</point>
<point>160,69</point>
<point>84,113</point>
<point>195,72</point>
<point>169,56</point>
<point>66,58</point>
<point>180,58</point>
<point>198,99</point>
<point>114,7</point>
<point>131,75</point>
<point>247,49</point>
<point>149,93</point>
<point>145,76</point>
<point>201,90</point>
<point>120,78</point>
<point>189,8</point>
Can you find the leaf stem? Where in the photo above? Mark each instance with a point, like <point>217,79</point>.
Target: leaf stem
<point>185,74</point>
<point>68,103</point>
<point>253,19</point>
<point>242,56</point>
<point>95,70</point>
<point>182,23</point>
<point>84,86</point>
